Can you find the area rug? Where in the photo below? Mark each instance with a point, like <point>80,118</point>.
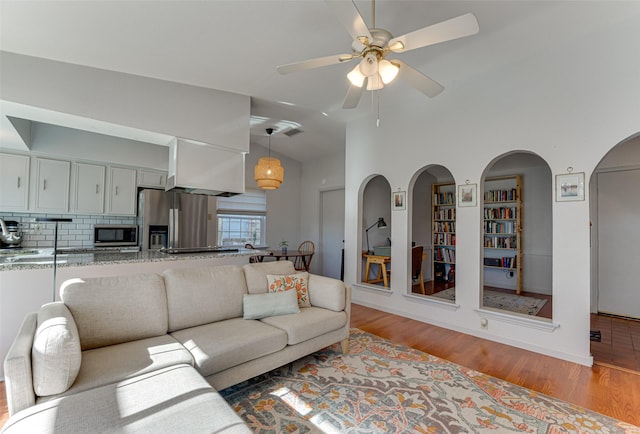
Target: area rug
<point>381,387</point>
<point>500,300</point>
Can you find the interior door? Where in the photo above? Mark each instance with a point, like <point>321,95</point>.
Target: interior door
<point>619,242</point>
<point>331,232</point>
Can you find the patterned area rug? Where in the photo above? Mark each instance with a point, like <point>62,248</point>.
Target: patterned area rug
<point>381,387</point>
<point>500,300</point>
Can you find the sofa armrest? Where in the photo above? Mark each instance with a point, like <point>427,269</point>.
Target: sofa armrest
<point>17,367</point>
<point>328,293</point>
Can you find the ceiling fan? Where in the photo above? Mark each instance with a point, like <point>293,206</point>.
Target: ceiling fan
<point>373,45</point>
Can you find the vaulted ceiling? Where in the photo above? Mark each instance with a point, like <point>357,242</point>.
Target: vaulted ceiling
<point>236,46</point>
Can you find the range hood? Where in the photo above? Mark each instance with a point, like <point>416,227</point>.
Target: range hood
<point>201,168</point>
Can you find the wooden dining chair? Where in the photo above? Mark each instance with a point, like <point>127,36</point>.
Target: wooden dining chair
<point>252,259</point>
<point>416,266</point>
<point>308,248</point>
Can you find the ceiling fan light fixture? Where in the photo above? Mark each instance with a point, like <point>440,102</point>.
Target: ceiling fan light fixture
<point>355,77</point>
<point>375,82</point>
<point>369,64</point>
<point>388,71</point>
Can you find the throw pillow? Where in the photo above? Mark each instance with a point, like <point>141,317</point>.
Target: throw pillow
<point>299,282</point>
<point>257,306</point>
<point>55,354</point>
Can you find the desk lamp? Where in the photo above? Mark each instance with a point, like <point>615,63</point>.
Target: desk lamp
<point>381,224</point>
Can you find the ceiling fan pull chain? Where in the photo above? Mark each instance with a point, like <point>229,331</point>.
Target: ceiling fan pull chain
<point>378,118</point>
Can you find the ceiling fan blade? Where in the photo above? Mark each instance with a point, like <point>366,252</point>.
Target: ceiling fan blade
<point>353,96</point>
<point>350,17</point>
<point>418,80</point>
<point>314,63</point>
<point>464,25</point>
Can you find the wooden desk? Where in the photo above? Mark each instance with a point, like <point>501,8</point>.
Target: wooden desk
<point>290,254</point>
<point>382,262</point>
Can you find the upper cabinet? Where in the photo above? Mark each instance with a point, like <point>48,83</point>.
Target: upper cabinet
<point>152,178</point>
<point>52,185</point>
<point>122,191</point>
<point>89,188</point>
<point>14,182</point>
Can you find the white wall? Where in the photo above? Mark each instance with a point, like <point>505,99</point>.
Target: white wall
<point>175,109</point>
<point>283,204</point>
<point>570,106</point>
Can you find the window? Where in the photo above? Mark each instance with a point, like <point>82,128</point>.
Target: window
<point>242,219</point>
<point>238,230</point>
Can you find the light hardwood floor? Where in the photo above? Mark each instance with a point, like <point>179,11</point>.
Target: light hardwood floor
<point>606,390</point>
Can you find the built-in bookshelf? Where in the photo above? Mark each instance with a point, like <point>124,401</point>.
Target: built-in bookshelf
<point>502,222</point>
<point>443,206</point>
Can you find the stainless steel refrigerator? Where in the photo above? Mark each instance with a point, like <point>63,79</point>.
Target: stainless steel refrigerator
<point>172,219</point>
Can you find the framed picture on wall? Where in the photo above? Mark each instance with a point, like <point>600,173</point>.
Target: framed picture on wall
<point>468,195</point>
<point>398,200</point>
<point>570,186</point>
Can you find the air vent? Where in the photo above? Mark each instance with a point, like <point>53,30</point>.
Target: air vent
<point>293,132</point>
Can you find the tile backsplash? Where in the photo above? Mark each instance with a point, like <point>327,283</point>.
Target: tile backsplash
<point>77,233</point>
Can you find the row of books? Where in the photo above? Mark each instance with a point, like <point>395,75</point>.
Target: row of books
<point>504,262</point>
<point>444,255</point>
<point>500,213</point>
<point>493,227</point>
<point>501,195</point>
<point>445,214</point>
<point>495,242</point>
<point>444,198</point>
<point>444,239</point>
<point>444,226</point>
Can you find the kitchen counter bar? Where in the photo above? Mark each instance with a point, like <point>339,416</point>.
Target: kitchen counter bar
<point>44,258</point>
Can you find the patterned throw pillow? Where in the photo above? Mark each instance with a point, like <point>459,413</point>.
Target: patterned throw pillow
<point>299,282</point>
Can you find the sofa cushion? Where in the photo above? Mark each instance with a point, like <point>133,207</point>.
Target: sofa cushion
<point>308,324</point>
<point>256,274</point>
<point>172,400</point>
<point>203,295</point>
<point>112,310</point>
<point>327,292</point>
<point>55,354</point>
<point>258,306</point>
<point>224,344</point>
<point>115,363</point>
<point>297,282</point>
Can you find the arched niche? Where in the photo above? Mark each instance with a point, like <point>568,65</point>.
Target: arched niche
<point>376,233</point>
<point>433,220</point>
<point>516,198</point>
<point>615,217</point>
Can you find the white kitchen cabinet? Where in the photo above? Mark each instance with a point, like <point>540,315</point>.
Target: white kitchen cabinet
<point>89,188</point>
<point>152,178</point>
<point>122,191</point>
<point>52,185</point>
<point>14,182</point>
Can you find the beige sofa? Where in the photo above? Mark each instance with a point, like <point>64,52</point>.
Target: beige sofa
<point>145,352</point>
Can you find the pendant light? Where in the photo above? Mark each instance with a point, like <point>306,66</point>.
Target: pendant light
<point>268,173</point>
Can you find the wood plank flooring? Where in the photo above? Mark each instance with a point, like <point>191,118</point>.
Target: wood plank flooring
<point>609,391</point>
<point>620,342</point>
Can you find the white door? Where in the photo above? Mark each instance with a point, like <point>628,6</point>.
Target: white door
<point>52,185</point>
<point>14,182</point>
<point>619,242</point>
<point>122,193</point>
<point>331,231</point>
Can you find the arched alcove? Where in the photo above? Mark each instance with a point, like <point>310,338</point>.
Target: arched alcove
<point>516,197</point>
<point>376,232</point>
<point>615,216</point>
<point>433,221</point>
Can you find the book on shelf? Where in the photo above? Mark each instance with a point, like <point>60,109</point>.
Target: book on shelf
<point>509,195</point>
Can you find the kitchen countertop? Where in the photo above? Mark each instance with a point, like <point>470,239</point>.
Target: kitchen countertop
<point>29,259</point>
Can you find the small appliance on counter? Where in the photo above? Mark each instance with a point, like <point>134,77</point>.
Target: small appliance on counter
<point>12,235</point>
<point>115,235</point>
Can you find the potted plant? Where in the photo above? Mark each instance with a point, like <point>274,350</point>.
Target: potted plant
<point>283,245</point>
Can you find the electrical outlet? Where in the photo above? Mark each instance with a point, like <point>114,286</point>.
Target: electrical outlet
<point>37,228</point>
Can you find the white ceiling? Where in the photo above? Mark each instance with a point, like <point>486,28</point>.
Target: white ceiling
<point>236,46</point>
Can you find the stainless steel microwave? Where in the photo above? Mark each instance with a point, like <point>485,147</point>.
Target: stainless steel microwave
<point>115,235</point>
